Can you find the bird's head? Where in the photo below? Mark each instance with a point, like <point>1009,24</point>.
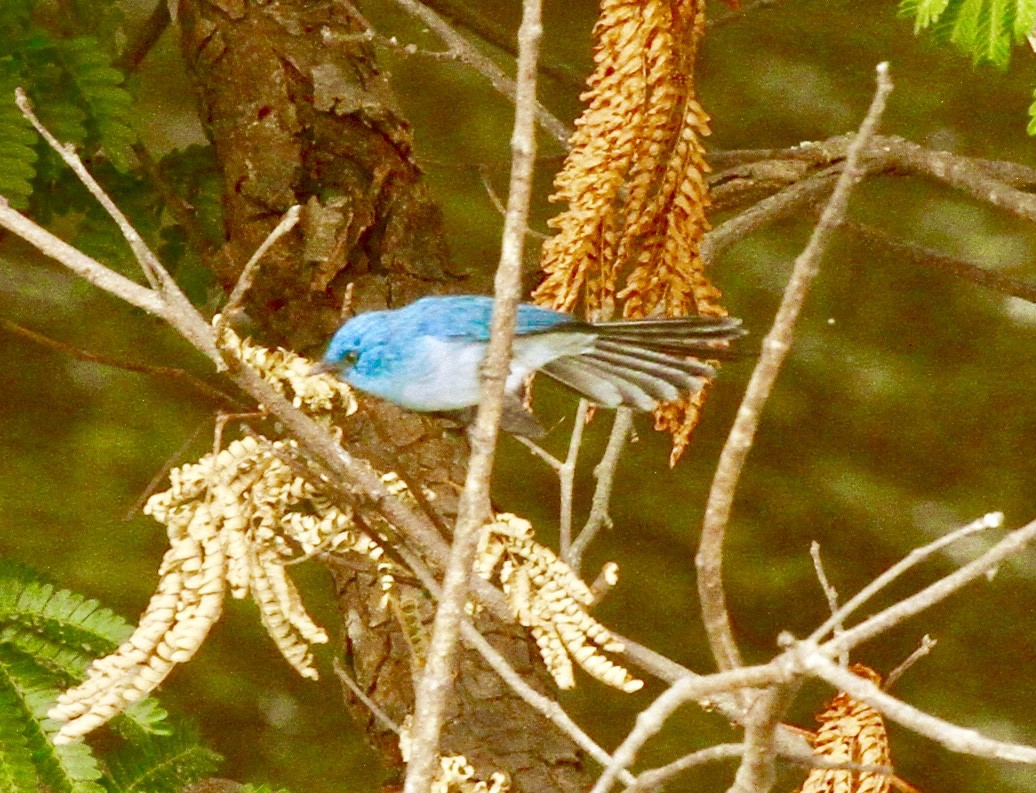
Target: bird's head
<point>362,335</point>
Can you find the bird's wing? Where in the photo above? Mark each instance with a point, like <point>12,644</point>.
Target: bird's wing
<point>644,362</point>
<point>703,336</point>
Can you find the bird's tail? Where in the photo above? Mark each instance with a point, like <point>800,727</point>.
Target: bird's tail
<point>641,362</point>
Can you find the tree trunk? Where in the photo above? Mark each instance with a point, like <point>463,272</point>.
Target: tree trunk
<point>299,114</point>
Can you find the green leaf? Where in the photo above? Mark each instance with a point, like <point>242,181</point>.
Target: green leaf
<point>71,768</point>
<point>101,86</point>
<point>17,143</point>
<point>17,771</point>
<point>160,764</point>
<point>1031,128</point>
<point>986,29</point>
<point>60,616</point>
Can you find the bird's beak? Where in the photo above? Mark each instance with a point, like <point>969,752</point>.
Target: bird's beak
<point>324,367</point>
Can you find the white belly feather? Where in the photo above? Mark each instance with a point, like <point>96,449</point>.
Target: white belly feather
<point>452,372</point>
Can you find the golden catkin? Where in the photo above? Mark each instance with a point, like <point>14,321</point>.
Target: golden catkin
<point>634,183</point>
<point>850,732</point>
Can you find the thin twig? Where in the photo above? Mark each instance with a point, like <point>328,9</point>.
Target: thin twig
<point>926,646</point>
<point>567,478</point>
<point>954,738</point>
<point>160,475</point>
<point>247,277</point>
<point>145,38</point>
<point>929,257</point>
<point>173,300</point>
<point>787,202</point>
<point>992,520</point>
<point>604,473</point>
<point>687,689</point>
<point>940,590</point>
<point>540,452</point>
<point>346,680</point>
<point>487,28</point>
<point>545,705</point>
<point>656,777</point>
<point>775,347</point>
<point>148,263</point>
<point>470,55</point>
<point>474,508</point>
<point>830,593</point>
<point>758,771</point>
<point>495,200</point>
<point>183,376</point>
<point>86,267</point>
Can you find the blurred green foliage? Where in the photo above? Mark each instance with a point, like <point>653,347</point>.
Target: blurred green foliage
<point>48,638</point>
<point>905,410</point>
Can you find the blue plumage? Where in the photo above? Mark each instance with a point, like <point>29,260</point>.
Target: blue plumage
<point>427,356</point>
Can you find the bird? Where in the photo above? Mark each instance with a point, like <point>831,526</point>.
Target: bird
<point>427,356</point>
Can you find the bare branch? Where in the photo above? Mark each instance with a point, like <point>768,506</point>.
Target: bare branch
<point>545,705</point>
<point>160,475</point>
<point>86,267</point>
<point>174,300</point>
<point>912,559</point>
<point>655,778</point>
<point>540,452</point>
<point>709,559</point>
<point>926,646</point>
<point>346,680</point>
<point>474,508</point>
<point>940,590</point>
<point>686,689</point>
<point>486,27</point>
<point>929,257</point>
<point>960,173</point>
<point>208,391</point>
<point>757,771</point>
<point>467,53</point>
<point>146,36</point>
<point>954,738</point>
<point>604,473</point>
<point>829,592</point>
<point>148,262</point>
<point>787,202</point>
<point>247,277</point>
<point>567,477</point>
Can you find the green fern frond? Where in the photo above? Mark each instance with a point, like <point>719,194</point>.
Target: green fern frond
<point>161,765</point>
<point>17,770</point>
<point>985,29</point>
<point>17,143</point>
<point>71,768</point>
<point>925,12</point>
<point>101,87</point>
<point>61,633</point>
<point>60,616</point>
<point>1024,19</point>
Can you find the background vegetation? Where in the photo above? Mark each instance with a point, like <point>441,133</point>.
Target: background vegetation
<point>906,408</point>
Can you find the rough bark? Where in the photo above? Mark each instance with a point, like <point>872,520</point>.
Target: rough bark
<point>298,113</point>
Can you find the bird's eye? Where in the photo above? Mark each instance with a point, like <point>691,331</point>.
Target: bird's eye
<point>350,358</point>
